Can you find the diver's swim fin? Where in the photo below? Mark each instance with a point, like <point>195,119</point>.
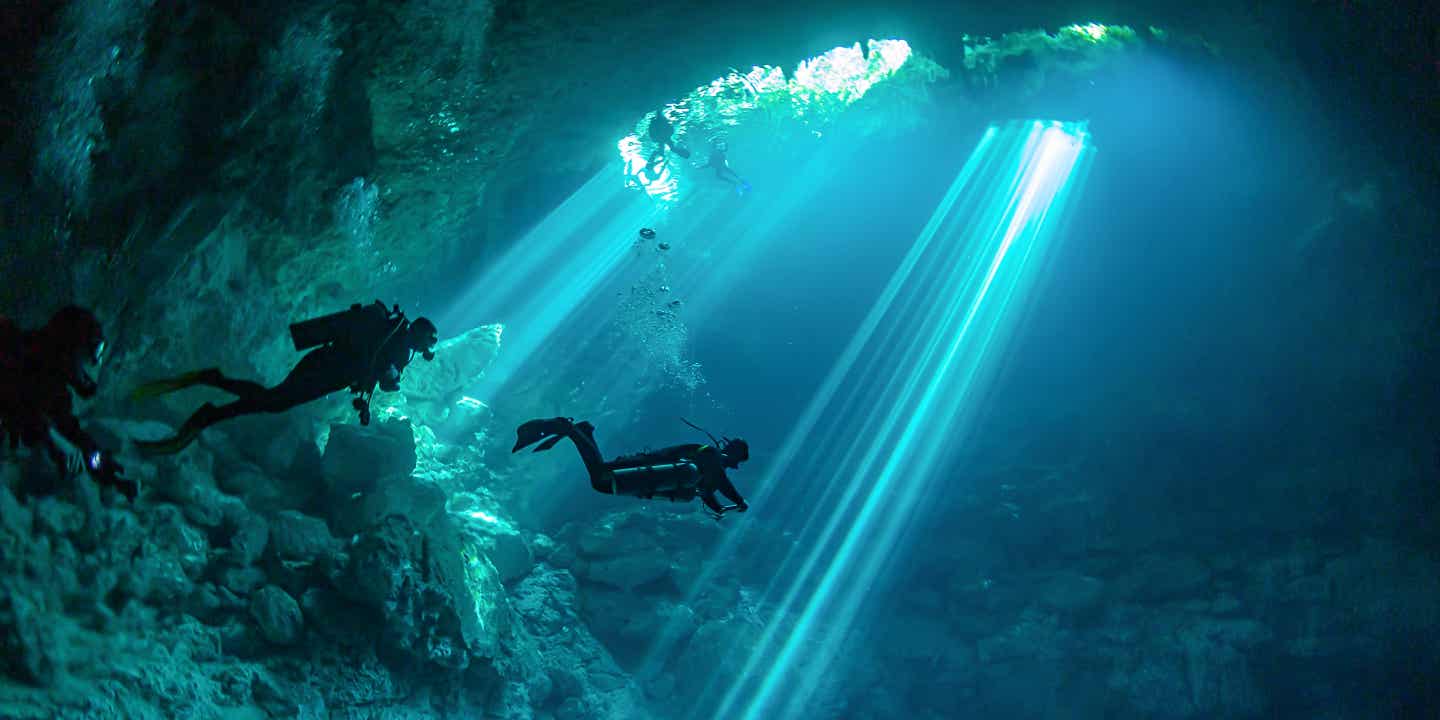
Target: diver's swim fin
<point>183,437</point>
<point>169,385</point>
<point>169,446</point>
<point>534,431</point>
<point>542,447</point>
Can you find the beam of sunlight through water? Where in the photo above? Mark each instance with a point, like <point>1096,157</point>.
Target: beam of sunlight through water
<point>550,273</point>
<point>898,401</point>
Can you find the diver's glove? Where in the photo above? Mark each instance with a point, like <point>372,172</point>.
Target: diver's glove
<point>718,515</point>
<point>103,467</point>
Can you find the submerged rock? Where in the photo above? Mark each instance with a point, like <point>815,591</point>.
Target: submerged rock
<point>295,537</point>
<point>493,534</point>
<point>277,615</point>
<point>358,459</point>
<point>30,635</point>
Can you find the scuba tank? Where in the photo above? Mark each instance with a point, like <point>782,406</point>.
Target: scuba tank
<point>673,480</point>
<point>353,327</point>
<point>362,329</point>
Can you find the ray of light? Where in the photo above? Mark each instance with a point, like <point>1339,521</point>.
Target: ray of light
<point>903,392</point>
<point>548,276</point>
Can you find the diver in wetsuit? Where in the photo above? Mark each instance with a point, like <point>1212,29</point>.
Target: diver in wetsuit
<point>678,473</point>
<point>660,131</point>
<point>358,349</point>
<point>721,164</point>
<point>38,369</point>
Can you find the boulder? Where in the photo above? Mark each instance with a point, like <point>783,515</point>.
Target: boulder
<point>432,391</point>
<point>31,635</point>
<point>57,518</point>
<point>188,545</point>
<point>358,458</point>
<point>277,615</point>
<point>546,601</point>
<point>249,534</point>
<point>241,580</point>
<point>439,599</point>
<point>498,538</point>
<point>628,572</point>
<point>295,537</point>
<point>617,535</point>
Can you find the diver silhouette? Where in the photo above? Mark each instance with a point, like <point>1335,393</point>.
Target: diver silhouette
<point>721,164</point>
<point>356,349</point>
<point>660,131</point>
<point>678,473</point>
<point>38,369</point>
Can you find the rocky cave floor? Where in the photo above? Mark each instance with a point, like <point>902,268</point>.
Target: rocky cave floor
<point>384,591</point>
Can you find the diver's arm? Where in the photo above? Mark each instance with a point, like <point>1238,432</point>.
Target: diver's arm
<point>96,460</point>
<point>67,426</point>
<point>727,489</point>
<point>713,505</point>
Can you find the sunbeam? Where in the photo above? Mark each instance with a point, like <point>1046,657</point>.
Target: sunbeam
<point>910,375</point>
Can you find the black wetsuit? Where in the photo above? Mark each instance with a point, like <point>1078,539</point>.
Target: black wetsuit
<point>660,131</point>
<point>721,165</point>
<point>35,400</point>
<point>322,371</point>
<point>357,365</point>
<point>678,472</point>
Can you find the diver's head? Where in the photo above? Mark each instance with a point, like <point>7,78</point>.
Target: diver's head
<point>735,451</point>
<point>75,336</point>
<point>423,337</point>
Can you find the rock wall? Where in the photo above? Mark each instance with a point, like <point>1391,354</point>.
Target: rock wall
<point>192,602</point>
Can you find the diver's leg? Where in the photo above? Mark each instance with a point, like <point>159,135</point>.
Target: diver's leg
<point>239,388</point>
<point>315,376</point>
<point>602,477</point>
<point>318,374</point>
<point>206,416</point>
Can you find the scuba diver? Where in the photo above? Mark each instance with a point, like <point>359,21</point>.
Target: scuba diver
<point>721,165</point>
<point>38,369</point>
<point>661,130</point>
<point>678,473</point>
<point>356,349</point>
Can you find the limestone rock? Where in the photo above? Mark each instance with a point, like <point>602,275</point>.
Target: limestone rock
<point>57,518</point>
<point>432,390</point>
<point>241,580</point>
<point>250,534</point>
<point>498,538</point>
<point>158,576</point>
<point>300,538</point>
<point>628,572</point>
<point>30,635</point>
<point>188,545</point>
<point>277,615</point>
<point>358,458</point>
<point>440,601</point>
<point>1072,592</point>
